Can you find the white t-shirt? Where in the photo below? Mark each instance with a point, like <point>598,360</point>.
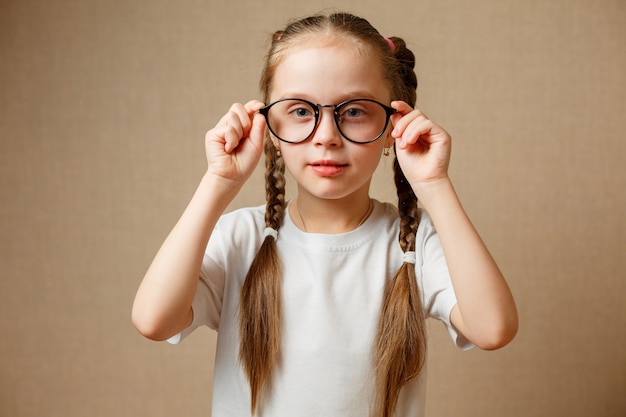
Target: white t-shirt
<point>332,293</point>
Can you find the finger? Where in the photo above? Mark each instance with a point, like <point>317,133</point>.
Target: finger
<point>217,135</point>
<point>232,137</point>
<point>409,121</point>
<point>245,113</point>
<point>224,120</point>
<point>402,108</point>
<point>234,121</point>
<point>418,130</point>
<point>257,132</point>
<point>235,124</point>
<point>253,106</point>
<point>238,122</point>
<point>405,116</point>
<point>239,117</point>
<point>226,136</point>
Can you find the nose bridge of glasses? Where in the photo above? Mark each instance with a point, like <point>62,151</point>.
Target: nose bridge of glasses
<point>320,109</point>
<point>334,121</point>
<point>336,117</point>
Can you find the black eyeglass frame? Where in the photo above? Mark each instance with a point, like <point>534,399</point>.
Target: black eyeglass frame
<point>337,107</point>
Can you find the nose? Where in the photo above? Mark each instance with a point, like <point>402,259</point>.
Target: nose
<point>326,133</point>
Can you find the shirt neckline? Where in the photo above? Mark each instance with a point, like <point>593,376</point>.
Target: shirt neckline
<point>336,241</point>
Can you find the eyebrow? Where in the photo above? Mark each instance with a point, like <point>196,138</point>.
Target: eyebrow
<point>342,97</point>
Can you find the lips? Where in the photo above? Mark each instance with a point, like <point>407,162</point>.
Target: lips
<point>327,168</point>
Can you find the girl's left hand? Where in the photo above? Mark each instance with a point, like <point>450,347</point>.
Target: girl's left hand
<point>422,147</point>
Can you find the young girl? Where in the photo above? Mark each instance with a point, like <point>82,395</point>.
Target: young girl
<point>320,302</point>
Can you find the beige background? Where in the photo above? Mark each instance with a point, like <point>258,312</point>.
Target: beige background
<point>103,109</point>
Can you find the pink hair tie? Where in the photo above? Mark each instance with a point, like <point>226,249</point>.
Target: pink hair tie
<point>391,45</point>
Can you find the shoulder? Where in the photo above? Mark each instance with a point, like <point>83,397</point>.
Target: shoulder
<point>426,227</point>
<point>386,213</point>
<point>245,224</point>
<point>388,222</point>
<point>245,217</point>
<point>389,213</point>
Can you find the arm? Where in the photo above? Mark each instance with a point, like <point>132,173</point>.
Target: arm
<point>162,305</point>
<point>485,312</point>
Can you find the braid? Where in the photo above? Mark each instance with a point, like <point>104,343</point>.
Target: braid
<point>401,347</point>
<point>261,295</point>
<point>407,208</point>
<point>274,186</point>
<point>401,344</point>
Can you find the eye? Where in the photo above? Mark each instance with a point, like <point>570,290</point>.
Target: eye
<point>352,112</point>
<point>300,112</point>
<point>297,109</point>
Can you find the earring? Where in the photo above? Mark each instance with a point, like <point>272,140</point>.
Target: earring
<point>278,152</point>
<point>386,151</point>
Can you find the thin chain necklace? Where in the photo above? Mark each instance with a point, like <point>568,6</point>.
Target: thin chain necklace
<point>367,214</point>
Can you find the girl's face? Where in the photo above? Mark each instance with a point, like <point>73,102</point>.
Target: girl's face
<point>326,165</point>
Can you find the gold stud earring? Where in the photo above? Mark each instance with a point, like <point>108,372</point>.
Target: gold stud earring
<point>386,151</point>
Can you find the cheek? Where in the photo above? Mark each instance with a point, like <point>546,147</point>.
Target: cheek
<point>292,156</point>
<point>370,157</point>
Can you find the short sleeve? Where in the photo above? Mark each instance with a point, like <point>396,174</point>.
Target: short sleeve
<point>438,293</point>
<point>207,302</point>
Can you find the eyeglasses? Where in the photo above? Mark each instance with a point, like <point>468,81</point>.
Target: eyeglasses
<point>358,120</point>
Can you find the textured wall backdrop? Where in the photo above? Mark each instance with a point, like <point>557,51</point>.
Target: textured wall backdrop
<point>103,110</point>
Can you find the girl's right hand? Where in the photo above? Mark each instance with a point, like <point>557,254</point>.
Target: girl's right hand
<point>234,146</point>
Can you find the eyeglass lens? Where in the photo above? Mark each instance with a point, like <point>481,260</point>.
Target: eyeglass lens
<point>294,120</point>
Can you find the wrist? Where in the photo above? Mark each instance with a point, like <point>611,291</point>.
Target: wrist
<point>218,185</point>
<point>440,200</point>
<point>217,192</point>
<point>429,192</point>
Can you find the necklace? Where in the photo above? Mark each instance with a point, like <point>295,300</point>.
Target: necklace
<point>370,208</point>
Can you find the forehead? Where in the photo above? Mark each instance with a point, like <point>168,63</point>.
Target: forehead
<point>328,71</point>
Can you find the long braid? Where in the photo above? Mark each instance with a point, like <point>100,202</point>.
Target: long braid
<point>401,347</point>
<point>401,344</point>
<point>261,295</point>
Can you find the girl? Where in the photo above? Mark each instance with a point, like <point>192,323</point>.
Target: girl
<point>320,302</point>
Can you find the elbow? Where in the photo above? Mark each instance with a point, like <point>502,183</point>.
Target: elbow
<point>147,326</point>
<point>499,335</point>
<point>496,342</point>
<point>159,325</point>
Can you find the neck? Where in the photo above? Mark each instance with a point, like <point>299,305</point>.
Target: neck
<point>330,216</point>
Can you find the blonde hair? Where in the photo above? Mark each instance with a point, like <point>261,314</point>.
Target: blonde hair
<point>399,351</point>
